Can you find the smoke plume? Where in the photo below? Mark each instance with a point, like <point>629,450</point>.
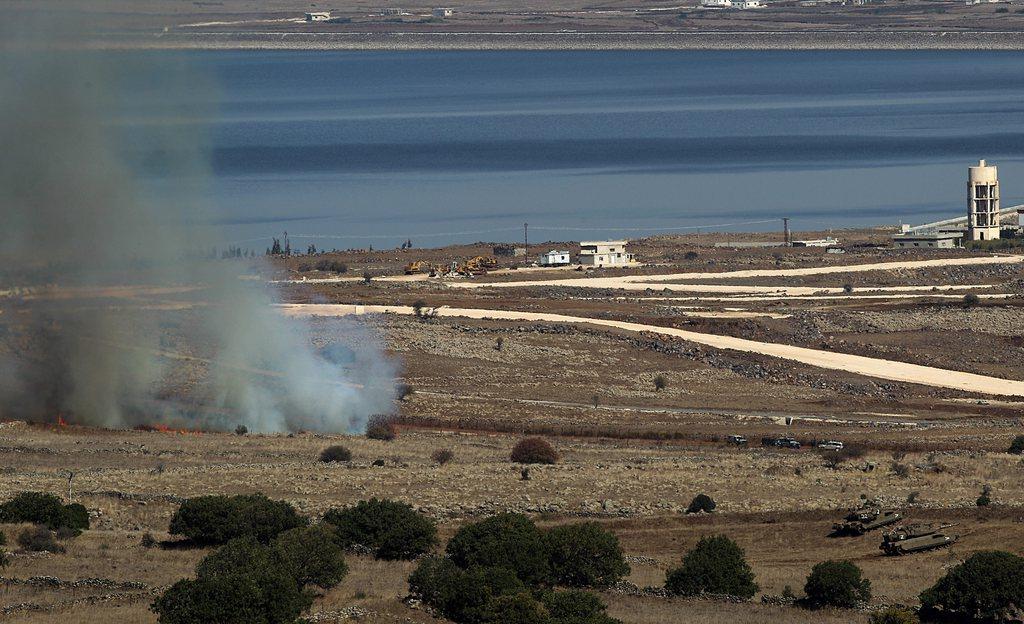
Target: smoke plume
<point>112,311</point>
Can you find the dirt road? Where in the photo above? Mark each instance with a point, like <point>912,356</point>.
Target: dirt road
<point>871,367</point>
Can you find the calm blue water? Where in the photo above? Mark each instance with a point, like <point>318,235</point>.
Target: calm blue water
<point>353,149</point>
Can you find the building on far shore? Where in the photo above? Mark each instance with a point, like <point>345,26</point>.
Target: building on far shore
<point>443,12</point>
<point>604,253</point>
<point>318,16</point>
<point>816,242</point>
<point>946,239</point>
<point>555,258</point>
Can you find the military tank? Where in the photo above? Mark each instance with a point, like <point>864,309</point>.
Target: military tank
<point>914,538</point>
<point>863,520</point>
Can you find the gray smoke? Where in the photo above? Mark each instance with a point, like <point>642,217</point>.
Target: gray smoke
<point>111,311</point>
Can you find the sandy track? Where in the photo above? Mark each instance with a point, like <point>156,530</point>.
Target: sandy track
<point>644,282</point>
<point>871,367</point>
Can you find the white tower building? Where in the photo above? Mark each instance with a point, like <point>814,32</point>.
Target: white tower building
<point>982,202</point>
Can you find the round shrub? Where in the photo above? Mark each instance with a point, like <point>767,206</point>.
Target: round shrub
<point>534,451</point>
<point>45,509</point>
<point>988,586</point>
<point>442,456</point>
<point>394,530</point>
<point>701,503</point>
<point>240,583</point>
<point>506,540</point>
<point>585,555</point>
<point>458,594</point>
<point>311,555</point>
<point>335,453</point>
<point>1017,446</point>
<point>521,608</point>
<point>39,539</point>
<point>716,565</point>
<point>381,427</point>
<point>217,519</point>
<point>836,584</point>
<point>894,615</point>
<point>576,607</point>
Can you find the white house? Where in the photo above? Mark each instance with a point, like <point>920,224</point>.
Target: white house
<point>716,4</point>
<point>443,12</point>
<point>750,4</point>
<point>555,258</point>
<point>318,16</point>
<point>604,253</point>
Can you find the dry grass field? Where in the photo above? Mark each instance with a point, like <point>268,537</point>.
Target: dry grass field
<point>632,455</point>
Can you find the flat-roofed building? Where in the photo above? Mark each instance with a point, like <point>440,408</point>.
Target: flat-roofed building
<point>604,253</point>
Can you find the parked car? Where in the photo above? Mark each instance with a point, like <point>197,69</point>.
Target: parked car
<point>780,442</point>
<point>737,440</point>
<point>830,445</point>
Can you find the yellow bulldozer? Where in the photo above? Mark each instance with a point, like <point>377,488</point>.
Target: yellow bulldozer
<point>479,265</point>
<point>418,266</point>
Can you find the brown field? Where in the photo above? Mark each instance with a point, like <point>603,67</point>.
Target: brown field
<point>632,456</point>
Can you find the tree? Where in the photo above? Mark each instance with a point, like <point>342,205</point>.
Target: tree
<point>986,497</point>
<point>243,582</point>
<point>506,540</point>
<point>458,594</point>
<point>1017,446</point>
<point>394,530</point>
<point>218,519</point>
<point>836,584</point>
<point>534,451</point>
<point>585,555</point>
<point>716,565</point>
<point>701,503</point>
<point>971,300</point>
<point>988,586</point>
<point>47,510</point>
<point>519,608</point>
<point>312,555</point>
<point>660,382</point>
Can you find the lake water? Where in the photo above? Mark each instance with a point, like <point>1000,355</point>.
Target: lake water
<point>351,149</point>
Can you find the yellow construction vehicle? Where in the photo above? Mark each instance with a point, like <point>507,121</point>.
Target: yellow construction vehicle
<point>479,265</point>
<point>418,266</point>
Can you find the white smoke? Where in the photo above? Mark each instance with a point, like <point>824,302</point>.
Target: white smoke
<point>77,216</point>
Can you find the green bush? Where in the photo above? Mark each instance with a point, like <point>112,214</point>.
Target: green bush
<point>243,582</point>
<point>219,519</point>
<point>701,503</point>
<point>458,594</point>
<point>521,608</point>
<point>836,584</point>
<point>45,509</point>
<point>716,565</point>
<point>335,453</point>
<point>394,530</point>
<point>585,555</point>
<point>576,607</point>
<point>894,615</point>
<point>311,555</point>
<point>39,539</point>
<point>988,586</point>
<point>1017,446</point>
<point>534,451</point>
<point>506,540</point>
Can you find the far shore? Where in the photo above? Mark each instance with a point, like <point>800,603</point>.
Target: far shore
<point>777,40</point>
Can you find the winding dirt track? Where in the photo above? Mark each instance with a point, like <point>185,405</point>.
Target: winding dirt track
<point>871,367</point>
<point>644,282</point>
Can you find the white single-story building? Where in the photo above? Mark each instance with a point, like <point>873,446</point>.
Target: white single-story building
<point>944,239</point>
<point>750,4</point>
<point>555,258</point>
<point>318,16</point>
<point>816,242</point>
<point>443,12</point>
<point>604,253</point>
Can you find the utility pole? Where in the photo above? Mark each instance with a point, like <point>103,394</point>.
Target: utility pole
<point>785,230</point>
<point>526,243</point>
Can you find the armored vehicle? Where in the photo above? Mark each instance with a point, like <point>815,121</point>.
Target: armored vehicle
<point>861,521</point>
<point>915,538</point>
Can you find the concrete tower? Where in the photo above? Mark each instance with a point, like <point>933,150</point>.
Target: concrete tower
<point>982,202</point>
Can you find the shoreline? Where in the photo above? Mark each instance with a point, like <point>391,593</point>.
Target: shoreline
<point>774,40</point>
